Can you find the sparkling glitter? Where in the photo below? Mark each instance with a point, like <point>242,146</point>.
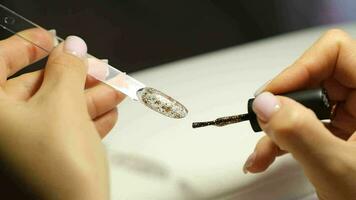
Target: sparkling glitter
<point>162,103</point>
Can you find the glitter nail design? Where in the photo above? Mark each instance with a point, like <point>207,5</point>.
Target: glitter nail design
<point>162,103</point>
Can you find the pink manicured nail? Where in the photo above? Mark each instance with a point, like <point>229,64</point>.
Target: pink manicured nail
<point>75,46</point>
<point>265,105</point>
<point>98,68</point>
<point>249,162</point>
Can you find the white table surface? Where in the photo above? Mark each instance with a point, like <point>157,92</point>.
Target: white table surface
<point>157,158</point>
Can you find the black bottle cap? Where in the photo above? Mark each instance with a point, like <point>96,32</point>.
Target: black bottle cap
<point>253,118</point>
<point>314,99</point>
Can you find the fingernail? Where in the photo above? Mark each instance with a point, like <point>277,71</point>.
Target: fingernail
<point>105,61</point>
<point>97,68</point>
<point>249,162</point>
<point>76,46</point>
<point>265,105</point>
<point>262,88</point>
<point>54,34</point>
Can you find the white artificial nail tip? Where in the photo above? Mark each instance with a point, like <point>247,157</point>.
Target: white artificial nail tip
<point>54,34</point>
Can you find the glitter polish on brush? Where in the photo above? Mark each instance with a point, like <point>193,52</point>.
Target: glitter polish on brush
<point>223,121</point>
<point>314,99</point>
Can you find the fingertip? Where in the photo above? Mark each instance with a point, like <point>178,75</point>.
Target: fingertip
<point>23,49</point>
<point>41,37</point>
<point>265,105</point>
<point>98,69</point>
<point>55,40</point>
<point>66,70</point>
<point>265,153</point>
<point>295,128</point>
<point>76,46</point>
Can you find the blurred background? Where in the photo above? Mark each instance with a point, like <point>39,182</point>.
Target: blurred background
<point>137,34</point>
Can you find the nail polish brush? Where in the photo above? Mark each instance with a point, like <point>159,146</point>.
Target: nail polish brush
<point>314,99</point>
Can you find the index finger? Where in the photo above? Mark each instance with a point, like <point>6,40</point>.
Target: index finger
<point>16,52</point>
<point>332,57</point>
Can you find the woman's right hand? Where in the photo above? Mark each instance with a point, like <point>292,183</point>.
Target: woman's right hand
<point>326,153</point>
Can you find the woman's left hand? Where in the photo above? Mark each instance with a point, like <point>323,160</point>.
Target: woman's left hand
<point>17,53</point>
<point>51,120</point>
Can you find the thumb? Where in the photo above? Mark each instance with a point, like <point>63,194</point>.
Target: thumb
<point>66,68</point>
<point>295,128</point>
